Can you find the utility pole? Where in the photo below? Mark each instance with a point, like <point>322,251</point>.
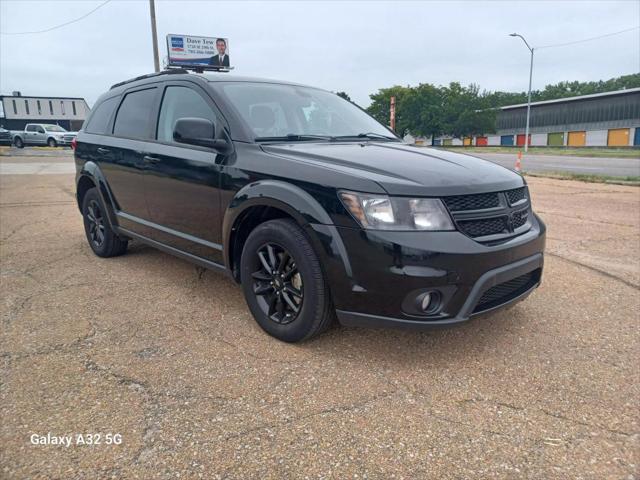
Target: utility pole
<point>154,35</point>
<point>526,132</point>
<point>392,113</point>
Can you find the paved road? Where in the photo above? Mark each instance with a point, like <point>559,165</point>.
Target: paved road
<point>168,356</point>
<point>615,167</point>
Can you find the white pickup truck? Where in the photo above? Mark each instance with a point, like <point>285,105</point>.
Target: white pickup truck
<point>42,134</point>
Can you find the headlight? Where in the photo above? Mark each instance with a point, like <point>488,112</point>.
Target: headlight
<point>380,212</point>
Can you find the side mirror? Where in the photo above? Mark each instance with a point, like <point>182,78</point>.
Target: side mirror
<point>198,131</point>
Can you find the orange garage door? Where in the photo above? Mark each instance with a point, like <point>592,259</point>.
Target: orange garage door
<point>520,139</point>
<point>618,137</point>
<point>577,139</point>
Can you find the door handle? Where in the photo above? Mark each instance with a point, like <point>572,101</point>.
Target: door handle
<point>150,159</point>
<point>103,151</point>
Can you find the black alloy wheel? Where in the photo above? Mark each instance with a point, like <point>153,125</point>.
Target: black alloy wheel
<point>283,282</point>
<point>95,218</point>
<point>278,284</point>
<point>103,240</point>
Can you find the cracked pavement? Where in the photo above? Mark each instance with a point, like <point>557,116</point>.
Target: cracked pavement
<point>167,355</point>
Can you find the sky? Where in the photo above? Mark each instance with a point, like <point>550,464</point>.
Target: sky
<point>357,47</point>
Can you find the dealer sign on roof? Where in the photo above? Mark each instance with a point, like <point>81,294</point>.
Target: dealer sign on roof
<point>189,51</point>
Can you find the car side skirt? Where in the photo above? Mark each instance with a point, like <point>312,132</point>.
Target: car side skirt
<point>202,262</point>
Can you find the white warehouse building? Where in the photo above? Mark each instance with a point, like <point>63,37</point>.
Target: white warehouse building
<point>17,110</point>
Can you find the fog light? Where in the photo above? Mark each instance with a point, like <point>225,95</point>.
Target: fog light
<point>429,302</point>
<point>426,300</point>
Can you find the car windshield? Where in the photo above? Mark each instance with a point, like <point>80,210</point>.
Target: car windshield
<point>293,113</point>
<point>53,128</point>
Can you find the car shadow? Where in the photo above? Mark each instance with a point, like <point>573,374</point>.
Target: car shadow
<point>484,332</point>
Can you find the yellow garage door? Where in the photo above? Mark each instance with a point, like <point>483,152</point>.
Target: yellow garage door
<point>577,139</point>
<point>618,137</point>
<point>467,141</point>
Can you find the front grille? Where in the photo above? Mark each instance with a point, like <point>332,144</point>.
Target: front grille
<point>504,292</point>
<point>519,218</point>
<point>490,217</point>
<point>68,138</point>
<point>472,202</point>
<point>515,196</point>
<point>484,227</point>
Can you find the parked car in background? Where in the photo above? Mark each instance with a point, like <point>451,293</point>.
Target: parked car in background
<point>5,136</point>
<point>315,208</point>
<point>42,134</point>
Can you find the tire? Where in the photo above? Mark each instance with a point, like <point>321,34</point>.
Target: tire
<point>52,142</point>
<point>301,282</point>
<point>102,239</point>
<point>18,142</point>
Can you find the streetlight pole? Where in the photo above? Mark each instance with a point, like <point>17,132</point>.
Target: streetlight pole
<point>154,35</point>
<point>526,132</point>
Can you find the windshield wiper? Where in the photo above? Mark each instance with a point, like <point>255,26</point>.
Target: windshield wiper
<point>295,137</point>
<point>370,135</point>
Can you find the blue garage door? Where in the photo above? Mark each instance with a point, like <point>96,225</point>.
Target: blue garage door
<point>506,140</point>
<point>636,137</point>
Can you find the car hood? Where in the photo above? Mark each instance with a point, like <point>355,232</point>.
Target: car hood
<point>403,169</point>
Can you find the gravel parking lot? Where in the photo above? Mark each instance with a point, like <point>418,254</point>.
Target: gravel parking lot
<point>166,355</point>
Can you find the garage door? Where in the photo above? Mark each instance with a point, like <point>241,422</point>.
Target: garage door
<point>484,141</point>
<point>506,140</point>
<point>618,137</point>
<point>466,141</point>
<point>577,139</point>
<point>447,141</point>
<point>636,138</point>
<point>520,140</point>
<point>555,139</point>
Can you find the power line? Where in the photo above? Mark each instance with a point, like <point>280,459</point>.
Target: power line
<point>58,26</point>
<point>588,39</point>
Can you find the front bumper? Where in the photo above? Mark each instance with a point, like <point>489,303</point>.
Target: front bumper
<point>375,275</point>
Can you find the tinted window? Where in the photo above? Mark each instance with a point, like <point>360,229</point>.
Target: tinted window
<point>181,102</point>
<point>101,115</point>
<point>277,110</point>
<point>134,114</point>
<point>31,128</point>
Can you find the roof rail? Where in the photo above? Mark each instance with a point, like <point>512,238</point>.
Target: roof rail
<point>168,71</point>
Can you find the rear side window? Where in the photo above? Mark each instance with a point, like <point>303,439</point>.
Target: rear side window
<point>134,114</point>
<point>100,117</point>
<point>180,102</point>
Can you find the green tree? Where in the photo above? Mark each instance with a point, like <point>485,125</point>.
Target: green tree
<point>344,95</point>
<point>421,110</point>
<point>380,105</point>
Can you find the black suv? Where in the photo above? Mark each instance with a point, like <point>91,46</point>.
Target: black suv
<point>313,206</point>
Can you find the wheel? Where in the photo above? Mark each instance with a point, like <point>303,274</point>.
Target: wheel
<point>283,282</point>
<point>18,142</point>
<point>52,142</point>
<point>102,239</point>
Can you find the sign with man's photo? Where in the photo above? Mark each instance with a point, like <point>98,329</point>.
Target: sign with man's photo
<point>189,51</point>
